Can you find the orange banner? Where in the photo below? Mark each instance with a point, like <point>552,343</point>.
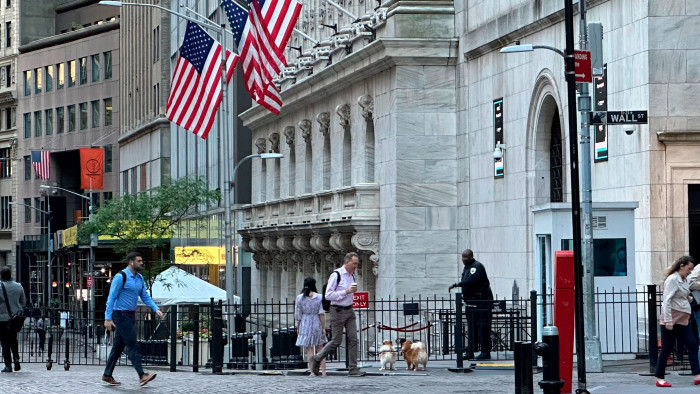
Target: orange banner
<point>92,168</point>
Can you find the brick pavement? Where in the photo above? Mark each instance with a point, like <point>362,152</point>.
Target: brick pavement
<point>34,378</point>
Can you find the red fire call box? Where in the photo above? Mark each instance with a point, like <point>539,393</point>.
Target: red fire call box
<point>564,307</point>
<point>361,300</point>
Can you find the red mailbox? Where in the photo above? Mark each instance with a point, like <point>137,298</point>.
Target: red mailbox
<point>564,307</point>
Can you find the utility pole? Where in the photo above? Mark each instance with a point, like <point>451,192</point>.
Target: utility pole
<point>575,191</point>
<point>593,356</point>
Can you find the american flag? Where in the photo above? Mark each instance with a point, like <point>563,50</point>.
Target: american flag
<point>280,16</point>
<point>41,163</point>
<point>261,59</point>
<point>195,93</point>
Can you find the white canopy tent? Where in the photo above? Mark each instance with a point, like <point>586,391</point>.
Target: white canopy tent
<point>176,286</point>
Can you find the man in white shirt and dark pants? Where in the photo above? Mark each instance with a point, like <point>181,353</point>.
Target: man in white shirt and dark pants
<point>340,293</point>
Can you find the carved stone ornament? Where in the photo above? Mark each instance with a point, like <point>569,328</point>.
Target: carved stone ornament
<point>367,103</point>
<point>305,126</point>
<point>261,144</point>
<point>343,110</point>
<point>289,133</point>
<point>324,119</point>
<point>341,242</point>
<point>269,243</point>
<point>320,242</point>
<point>275,142</point>
<point>302,243</point>
<point>255,245</point>
<point>332,261</point>
<point>285,243</point>
<point>312,260</point>
<point>245,244</point>
<point>263,260</point>
<point>368,241</point>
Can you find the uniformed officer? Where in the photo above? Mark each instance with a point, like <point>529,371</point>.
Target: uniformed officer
<point>476,287</point>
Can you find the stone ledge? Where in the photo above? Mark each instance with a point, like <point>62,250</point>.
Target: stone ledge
<point>678,137</point>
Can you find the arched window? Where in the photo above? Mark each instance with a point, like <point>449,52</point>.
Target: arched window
<point>263,180</point>
<point>292,169</point>
<point>369,151</point>
<point>327,161</point>
<point>556,159</point>
<point>347,156</point>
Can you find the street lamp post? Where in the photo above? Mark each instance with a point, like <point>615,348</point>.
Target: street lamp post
<point>570,73</point>
<point>49,246</point>
<point>91,258</point>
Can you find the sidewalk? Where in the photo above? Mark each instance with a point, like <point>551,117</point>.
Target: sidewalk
<point>488,377</point>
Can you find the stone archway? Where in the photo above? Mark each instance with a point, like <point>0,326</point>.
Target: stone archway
<point>544,113</point>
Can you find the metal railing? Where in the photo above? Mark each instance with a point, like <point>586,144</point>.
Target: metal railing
<point>264,336</point>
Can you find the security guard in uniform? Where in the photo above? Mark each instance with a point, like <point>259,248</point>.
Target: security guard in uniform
<point>475,288</point>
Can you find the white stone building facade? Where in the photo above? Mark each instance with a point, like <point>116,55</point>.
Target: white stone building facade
<point>421,80</point>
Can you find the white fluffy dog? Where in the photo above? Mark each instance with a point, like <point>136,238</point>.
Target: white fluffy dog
<point>387,356</point>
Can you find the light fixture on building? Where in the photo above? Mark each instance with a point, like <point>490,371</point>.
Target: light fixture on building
<point>498,151</point>
<point>54,284</point>
<point>67,284</point>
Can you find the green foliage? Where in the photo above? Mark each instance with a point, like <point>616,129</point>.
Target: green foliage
<point>147,220</point>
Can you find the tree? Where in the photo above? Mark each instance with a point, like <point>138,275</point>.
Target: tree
<point>146,221</point>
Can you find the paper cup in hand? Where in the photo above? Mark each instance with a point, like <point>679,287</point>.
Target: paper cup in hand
<point>354,285</point>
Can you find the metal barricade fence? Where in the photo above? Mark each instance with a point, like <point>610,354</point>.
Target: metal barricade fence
<point>267,337</point>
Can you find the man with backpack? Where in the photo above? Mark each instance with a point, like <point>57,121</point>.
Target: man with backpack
<point>340,292</point>
<point>124,292</point>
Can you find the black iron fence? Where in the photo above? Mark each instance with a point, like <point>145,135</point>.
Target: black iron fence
<point>263,335</point>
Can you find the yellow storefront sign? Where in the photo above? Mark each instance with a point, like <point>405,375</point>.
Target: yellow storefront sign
<point>196,255</point>
<point>70,236</point>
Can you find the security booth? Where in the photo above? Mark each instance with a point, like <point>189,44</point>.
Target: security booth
<point>614,266</point>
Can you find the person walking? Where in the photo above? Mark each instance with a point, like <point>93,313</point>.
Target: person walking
<point>476,291</point>
<point>126,288</point>
<point>675,319</point>
<point>340,291</point>
<point>40,328</point>
<point>310,322</point>
<point>13,296</point>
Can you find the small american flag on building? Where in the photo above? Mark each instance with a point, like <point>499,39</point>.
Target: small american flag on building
<point>41,163</point>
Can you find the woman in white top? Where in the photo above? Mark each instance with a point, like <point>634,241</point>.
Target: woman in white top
<point>675,319</point>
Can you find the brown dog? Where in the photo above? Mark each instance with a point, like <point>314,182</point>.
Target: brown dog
<point>415,354</point>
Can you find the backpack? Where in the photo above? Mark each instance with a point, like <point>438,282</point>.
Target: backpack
<point>124,279</point>
<point>327,303</point>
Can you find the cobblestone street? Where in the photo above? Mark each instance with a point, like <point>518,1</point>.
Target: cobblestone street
<point>34,378</point>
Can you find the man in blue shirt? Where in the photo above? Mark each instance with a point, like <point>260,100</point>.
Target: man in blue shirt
<point>120,315</point>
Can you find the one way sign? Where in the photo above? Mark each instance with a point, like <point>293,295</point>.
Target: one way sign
<point>618,117</point>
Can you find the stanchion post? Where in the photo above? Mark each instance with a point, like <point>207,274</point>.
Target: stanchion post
<point>653,328</point>
<point>173,338</point>
<point>195,340</point>
<point>459,331</point>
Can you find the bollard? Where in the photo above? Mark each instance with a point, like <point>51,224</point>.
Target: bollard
<point>548,349</point>
<point>653,326</point>
<point>217,343</point>
<point>522,353</point>
<point>173,338</point>
<point>195,340</point>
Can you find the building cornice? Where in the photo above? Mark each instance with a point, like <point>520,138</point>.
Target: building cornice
<point>145,128</point>
<point>517,24</point>
<point>376,57</point>
<point>69,37</point>
<point>678,136</point>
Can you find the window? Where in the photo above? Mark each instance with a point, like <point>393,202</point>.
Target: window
<point>37,214</point>
<point>83,116</point>
<point>60,76</point>
<point>8,76</point>
<point>48,74</point>
<point>6,119</point>
<point>156,98</point>
<point>37,80</point>
<point>143,179</point>
<point>71,118</point>
<point>13,117</point>
<point>8,3</point>
<point>106,197</point>
<point>5,213</point>
<point>27,125</point>
<point>60,120</point>
<point>71,73</point>
<point>27,171</point>
<point>95,67</point>
<point>48,117</point>
<point>108,111</point>
<point>95,106</point>
<point>27,210</point>
<point>125,182</point>
<point>108,64</point>
<point>37,123</point>
<point>8,34</point>
<point>94,201</point>
<point>108,158</point>
<point>156,44</point>
<point>134,178</point>
<point>6,168</point>
<point>28,82</point>
<point>83,70</point>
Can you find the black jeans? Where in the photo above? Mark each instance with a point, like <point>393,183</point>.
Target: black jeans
<point>10,347</point>
<point>479,326</point>
<point>125,336</point>
<point>684,335</point>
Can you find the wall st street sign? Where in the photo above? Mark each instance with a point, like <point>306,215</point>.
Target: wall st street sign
<point>619,117</point>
